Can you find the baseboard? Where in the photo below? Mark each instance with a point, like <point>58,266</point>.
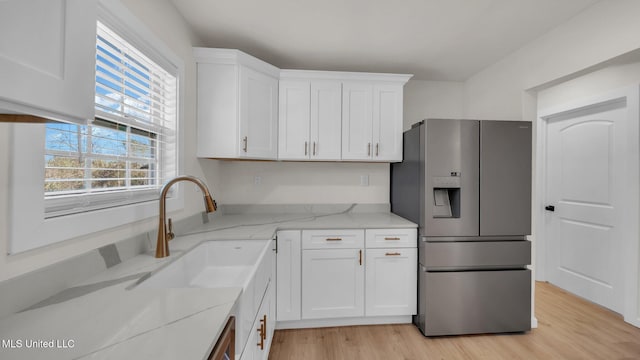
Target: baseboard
<point>319,323</point>
<point>534,322</point>
<point>635,322</point>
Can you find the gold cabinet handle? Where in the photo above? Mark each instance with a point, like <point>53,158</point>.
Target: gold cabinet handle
<point>245,141</point>
<point>392,254</point>
<point>264,333</point>
<point>377,149</point>
<point>261,343</point>
<point>334,239</point>
<point>262,330</point>
<point>392,238</point>
<point>360,256</point>
<point>306,147</point>
<point>369,149</point>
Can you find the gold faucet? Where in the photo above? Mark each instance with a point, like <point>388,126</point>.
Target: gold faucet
<point>165,231</point>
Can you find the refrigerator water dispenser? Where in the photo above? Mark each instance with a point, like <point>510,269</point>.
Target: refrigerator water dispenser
<point>446,197</point>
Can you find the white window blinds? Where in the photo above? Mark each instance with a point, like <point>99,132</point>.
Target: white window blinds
<point>129,150</point>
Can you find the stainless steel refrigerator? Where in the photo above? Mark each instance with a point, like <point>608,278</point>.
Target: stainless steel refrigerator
<point>467,183</point>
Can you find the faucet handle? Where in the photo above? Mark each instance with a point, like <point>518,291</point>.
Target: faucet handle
<point>170,234</point>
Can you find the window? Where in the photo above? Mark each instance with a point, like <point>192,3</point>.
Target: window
<point>69,181</point>
<point>128,151</point>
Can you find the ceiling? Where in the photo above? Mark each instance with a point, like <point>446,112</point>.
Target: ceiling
<point>432,39</point>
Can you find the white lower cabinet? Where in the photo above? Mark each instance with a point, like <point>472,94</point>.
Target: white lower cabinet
<point>257,326</point>
<point>333,283</point>
<point>364,276</point>
<point>391,281</point>
<point>259,343</point>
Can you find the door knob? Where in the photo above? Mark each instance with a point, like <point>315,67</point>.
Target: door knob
<point>550,208</point>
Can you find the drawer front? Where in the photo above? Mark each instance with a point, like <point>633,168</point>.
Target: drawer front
<point>474,254</point>
<point>391,238</point>
<point>468,302</point>
<point>332,239</point>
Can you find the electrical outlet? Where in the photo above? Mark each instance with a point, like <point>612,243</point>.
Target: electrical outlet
<point>364,180</point>
<point>257,180</point>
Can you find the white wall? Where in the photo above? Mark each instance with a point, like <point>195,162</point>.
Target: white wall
<point>163,20</point>
<point>595,83</point>
<point>603,31</point>
<point>432,99</point>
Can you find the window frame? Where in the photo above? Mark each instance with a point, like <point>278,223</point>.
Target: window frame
<point>29,227</point>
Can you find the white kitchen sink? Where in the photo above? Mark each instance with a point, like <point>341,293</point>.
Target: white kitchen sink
<point>212,264</point>
<point>248,264</point>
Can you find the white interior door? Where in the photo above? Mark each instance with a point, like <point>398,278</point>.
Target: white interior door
<point>585,183</point>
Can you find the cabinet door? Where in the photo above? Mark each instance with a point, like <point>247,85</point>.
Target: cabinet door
<point>259,341</point>
<point>217,110</point>
<point>258,115</point>
<point>293,119</point>
<point>357,121</point>
<point>391,281</point>
<point>387,123</point>
<point>47,58</point>
<point>288,275</point>
<point>270,312</point>
<point>251,351</point>
<point>332,283</point>
<point>326,120</point>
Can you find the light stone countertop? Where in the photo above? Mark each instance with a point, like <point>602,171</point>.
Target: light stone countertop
<point>107,317</point>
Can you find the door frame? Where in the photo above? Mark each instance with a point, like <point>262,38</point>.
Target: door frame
<point>631,209</point>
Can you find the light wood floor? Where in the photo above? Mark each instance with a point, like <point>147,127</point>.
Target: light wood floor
<point>568,328</point>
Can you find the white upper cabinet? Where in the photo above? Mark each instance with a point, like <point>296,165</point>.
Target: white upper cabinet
<point>326,120</point>
<point>47,58</point>
<point>372,121</point>
<point>310,118</point>
<point>237,105</point>
<point>294,119</point>
<point>357,124</point>
<point>258,114</point>
<point>386,144</point>
<point>250,109</point>
<point>332,116</point>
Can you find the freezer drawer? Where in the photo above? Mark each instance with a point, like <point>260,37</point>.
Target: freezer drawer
<point>474,254</point>
<point>474,302</point>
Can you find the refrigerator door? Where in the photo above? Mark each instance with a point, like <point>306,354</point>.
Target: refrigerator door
<point>451,170</point>
<point>505,178</point>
